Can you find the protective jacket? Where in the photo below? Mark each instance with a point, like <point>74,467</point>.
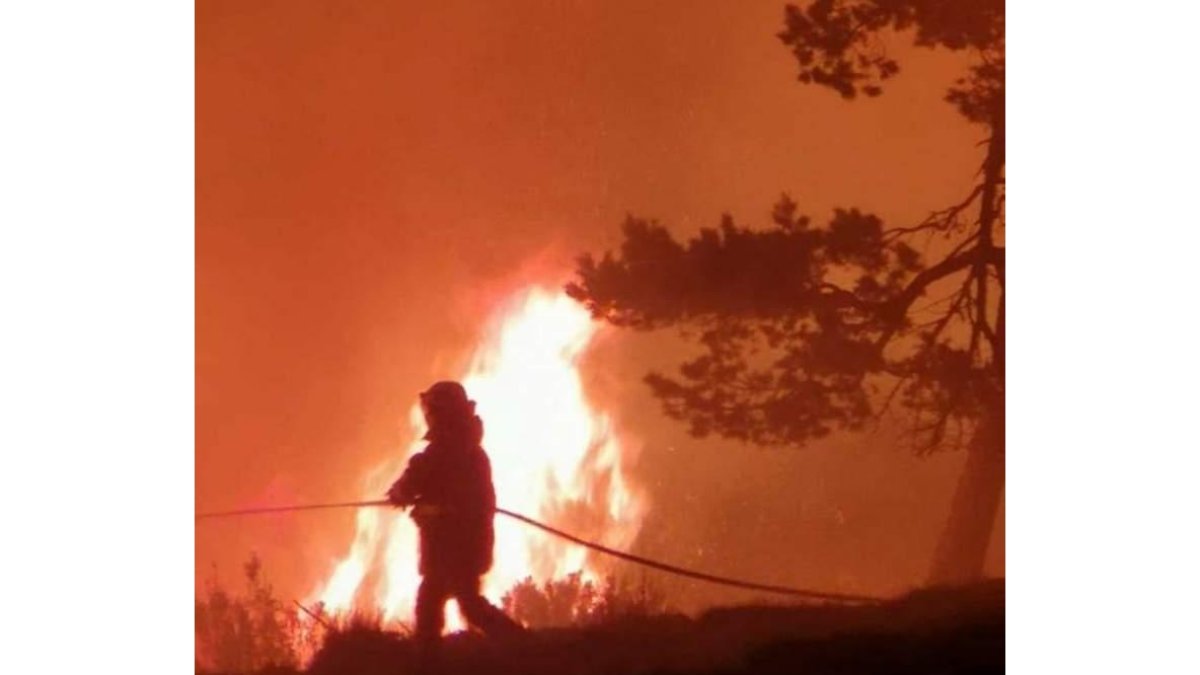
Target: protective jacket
<point>450,485</point>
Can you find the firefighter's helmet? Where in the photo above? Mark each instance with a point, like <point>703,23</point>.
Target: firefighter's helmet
<point>447,395</point>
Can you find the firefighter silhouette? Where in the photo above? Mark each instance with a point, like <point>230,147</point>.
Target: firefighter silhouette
<point>449,487</point>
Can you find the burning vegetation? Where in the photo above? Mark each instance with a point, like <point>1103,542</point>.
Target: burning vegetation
<point>553,457</point>
<point>806,330</point>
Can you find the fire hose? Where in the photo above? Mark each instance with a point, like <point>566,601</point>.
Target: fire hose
<point>623,555</point>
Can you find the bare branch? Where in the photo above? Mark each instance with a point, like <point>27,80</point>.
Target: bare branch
<point>897,308</point>
<point>887,404</point>
<point>937,220</point>
<point>962,300</point>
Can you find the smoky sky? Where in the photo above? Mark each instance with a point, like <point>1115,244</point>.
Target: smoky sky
<point>370,176</point>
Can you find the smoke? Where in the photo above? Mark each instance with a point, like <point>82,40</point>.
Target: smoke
<point>371,177</point>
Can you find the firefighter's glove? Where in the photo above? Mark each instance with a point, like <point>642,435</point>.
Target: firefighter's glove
<point>396,497</point>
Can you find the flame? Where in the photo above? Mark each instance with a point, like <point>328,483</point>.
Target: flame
<point>553,457</point>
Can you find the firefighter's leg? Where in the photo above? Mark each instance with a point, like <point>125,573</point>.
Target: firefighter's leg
<point>482,614</point>
<point>431,604</point>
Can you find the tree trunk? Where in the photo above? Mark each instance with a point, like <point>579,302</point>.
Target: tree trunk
<point>960,552</point>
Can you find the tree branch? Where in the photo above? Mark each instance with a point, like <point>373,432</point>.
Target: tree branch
<point>897,308</point>
<point>887,404</point>
<point>937,220</point>
<point>963,293</point>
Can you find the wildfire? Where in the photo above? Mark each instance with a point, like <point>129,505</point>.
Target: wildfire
<point>553,456</point>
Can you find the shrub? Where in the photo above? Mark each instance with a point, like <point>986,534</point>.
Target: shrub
<point>249,632</point>
<point>575,601</point>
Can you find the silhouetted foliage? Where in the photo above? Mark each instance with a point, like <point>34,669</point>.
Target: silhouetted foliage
<point>575,601</point>
<point>253,632</point>
<point>806,328</point>
<point>249,632</point>
<point>837,44</point>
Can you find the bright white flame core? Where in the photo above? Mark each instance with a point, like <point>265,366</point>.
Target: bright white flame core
<point>553,458</point>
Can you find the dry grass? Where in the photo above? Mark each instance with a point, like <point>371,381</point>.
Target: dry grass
<point>932,631</point>
<point>939,631</point>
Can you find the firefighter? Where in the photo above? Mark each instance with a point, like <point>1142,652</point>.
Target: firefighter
<point>449,487</point>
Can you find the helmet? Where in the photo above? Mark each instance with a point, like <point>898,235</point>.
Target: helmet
<point>446,396</point>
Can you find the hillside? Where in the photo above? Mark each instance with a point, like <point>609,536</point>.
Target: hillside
<point>930,631</point>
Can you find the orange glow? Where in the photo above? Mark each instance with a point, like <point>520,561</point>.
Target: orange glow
<point>554,458</point>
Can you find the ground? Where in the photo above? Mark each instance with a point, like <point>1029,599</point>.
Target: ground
<point>931,631</point>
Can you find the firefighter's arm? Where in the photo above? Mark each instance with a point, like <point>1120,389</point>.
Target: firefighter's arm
<point>407,488</point>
